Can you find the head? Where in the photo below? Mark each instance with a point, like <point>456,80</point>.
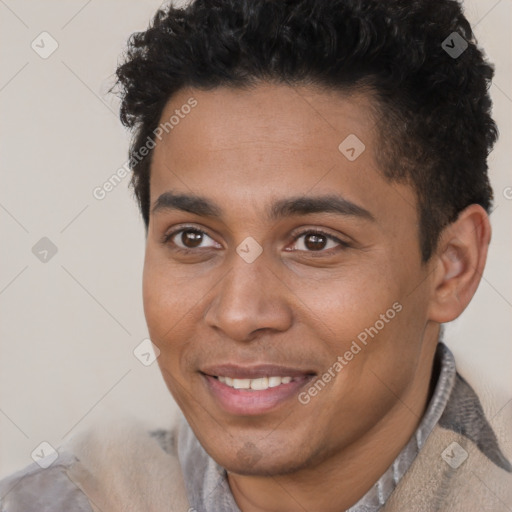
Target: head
<point>314,185</point>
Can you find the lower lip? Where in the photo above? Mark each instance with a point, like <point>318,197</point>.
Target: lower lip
<point>245,402</point>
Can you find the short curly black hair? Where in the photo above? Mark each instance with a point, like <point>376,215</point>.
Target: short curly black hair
<point>434,123</point>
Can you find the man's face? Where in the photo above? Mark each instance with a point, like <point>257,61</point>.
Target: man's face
<point>328,282</point>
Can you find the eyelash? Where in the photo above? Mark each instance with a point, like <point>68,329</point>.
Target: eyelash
<point>168,236</point>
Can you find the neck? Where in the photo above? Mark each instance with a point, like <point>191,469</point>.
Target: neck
<point>343,478</point>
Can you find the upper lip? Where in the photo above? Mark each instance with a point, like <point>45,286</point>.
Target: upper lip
<point>253,372</point>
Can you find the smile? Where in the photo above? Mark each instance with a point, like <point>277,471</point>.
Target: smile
<point>252,391</point>
<point>254,384</point>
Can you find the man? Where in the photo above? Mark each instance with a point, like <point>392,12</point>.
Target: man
<point>313,180</point>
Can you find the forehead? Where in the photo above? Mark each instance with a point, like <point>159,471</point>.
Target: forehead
<point>270,141</point>
<point>304,120</point>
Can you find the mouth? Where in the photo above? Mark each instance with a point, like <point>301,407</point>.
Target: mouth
<point>259,384</point>
<point>255,390</point>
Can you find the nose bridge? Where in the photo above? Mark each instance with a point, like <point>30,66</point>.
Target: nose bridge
<point>248,299</point>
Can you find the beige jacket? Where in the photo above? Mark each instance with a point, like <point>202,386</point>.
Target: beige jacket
<point>120,467</point>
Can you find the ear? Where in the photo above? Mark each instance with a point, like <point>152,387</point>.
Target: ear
<point>459,263</point>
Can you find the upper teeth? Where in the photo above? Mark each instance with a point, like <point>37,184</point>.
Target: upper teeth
<point>256,384</point>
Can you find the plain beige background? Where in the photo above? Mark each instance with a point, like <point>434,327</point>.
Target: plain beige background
<point>69,325</point>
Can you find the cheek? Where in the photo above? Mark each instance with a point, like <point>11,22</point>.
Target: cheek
<point>369,319</point>
<point>168,297</point>
<point>173,303</point>
<point>163,298</point>
<point>165,315</point>
<point>153,288</point>
<point>348,303</point>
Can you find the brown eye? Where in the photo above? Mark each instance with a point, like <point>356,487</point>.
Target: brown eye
<point>315,242</point>
<point>191,239</point>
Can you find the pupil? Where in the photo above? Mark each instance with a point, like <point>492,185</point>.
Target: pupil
<point>191,238</point>
<point>315,242</point>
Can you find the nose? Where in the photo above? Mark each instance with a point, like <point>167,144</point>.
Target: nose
<point>251,298</point>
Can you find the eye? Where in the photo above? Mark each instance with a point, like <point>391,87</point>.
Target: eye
<point>317,241</point>
<point>190,238</point>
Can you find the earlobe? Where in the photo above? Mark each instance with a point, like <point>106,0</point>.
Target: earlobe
<point>460,262</point>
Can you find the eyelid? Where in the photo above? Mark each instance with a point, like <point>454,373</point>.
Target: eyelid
<point>342,243</point>
<point>166,238</point>
<point>295,236</point>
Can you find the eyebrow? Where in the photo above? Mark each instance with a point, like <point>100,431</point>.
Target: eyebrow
<point>282,208</point>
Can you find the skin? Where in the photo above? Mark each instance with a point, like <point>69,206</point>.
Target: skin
<point>298,305</point>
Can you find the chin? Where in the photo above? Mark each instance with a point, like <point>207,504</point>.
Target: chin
<point>264,469</point>
<point>250,461</point>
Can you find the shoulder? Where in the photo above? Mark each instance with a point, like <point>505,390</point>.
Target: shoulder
<point>464,465</point>
<point>118,464</point>
<point>35,488</point>
<point>465,415</point>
